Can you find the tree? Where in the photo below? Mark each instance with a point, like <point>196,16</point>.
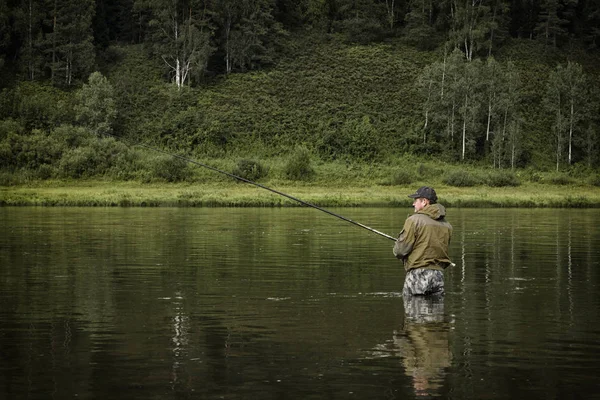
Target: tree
<point>470,25</point>
<point>506,143</point>
<point>180,36</point>
<point>419,29</point>
<point>29,16</point>
<point>470,94</point>
<point>4,32</point>
<point>247,28</point>
<point>95,107</point>
<point>566,99</point>
<point>575,86</point>
<point>511,100</point>
<point>499,23</point>
<point>550,26</point>
<point>493,77</point>
<point>68,46</point>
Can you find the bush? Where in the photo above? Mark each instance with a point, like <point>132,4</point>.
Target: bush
<point>402,177</point>
<point>78,163</point>
<point>461,179</point>
<point>594,180</point>
<point>168,168</point>
<point>250,170</point>
<point>502,179</point>
<point>559,179</point>
<point>71,136</point>
<point>298,166</point>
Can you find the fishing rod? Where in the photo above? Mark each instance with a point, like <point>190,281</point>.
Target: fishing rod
<point>305,203</point>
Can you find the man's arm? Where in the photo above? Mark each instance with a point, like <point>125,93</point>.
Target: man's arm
<point>405,242</point>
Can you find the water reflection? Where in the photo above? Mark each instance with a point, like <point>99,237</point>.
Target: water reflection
<point>279,303</point>
<point>424,343</point>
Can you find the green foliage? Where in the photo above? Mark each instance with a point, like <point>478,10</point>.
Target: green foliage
<point>402,177</point>
<point>501,178</point>
<point>95,105</point>
<point>38,105</point>
<point>94,159</point>
<point>167,168</point>
<point>461,178</point>
<point>594,180</point>
<point>558,178</point>
<point>250,169</point>
<point>298,166</point>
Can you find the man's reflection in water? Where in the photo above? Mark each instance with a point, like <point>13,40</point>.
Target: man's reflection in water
<point>423,343</point>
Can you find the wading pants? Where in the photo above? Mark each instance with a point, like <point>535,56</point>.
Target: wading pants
<point>421,281</point>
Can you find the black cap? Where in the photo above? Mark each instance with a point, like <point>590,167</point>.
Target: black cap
<point>425,192</point>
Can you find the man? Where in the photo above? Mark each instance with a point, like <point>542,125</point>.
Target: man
<point>423,245</point>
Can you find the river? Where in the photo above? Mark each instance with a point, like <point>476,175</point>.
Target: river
<point>274,303</point>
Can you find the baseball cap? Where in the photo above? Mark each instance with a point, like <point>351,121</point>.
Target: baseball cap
<point>425,192</point>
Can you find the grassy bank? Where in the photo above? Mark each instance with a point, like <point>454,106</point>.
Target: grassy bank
<point>231,194</point>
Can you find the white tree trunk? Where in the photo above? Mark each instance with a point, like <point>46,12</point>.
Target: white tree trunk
<point>571,130</point>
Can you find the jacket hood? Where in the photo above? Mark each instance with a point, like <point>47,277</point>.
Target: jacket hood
<point>435,211</point>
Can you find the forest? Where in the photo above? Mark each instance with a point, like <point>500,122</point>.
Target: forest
<point>505,85</point>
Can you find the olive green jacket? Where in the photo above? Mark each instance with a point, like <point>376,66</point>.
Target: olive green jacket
<point>424,240</point>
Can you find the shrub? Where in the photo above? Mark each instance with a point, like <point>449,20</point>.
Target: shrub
<point>78,163</point>
<point>250,170</point>
<point>127,165</point>
<point>298,166</point>
<point>168,168</point>
<point>71,136</point>
<point>402,177</point>
<point>559,179</point>
<point>594,180</point>
<point>461,178</point>
<point>502,179</point>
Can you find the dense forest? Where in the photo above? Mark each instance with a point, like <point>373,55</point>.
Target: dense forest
<point>506,84</point>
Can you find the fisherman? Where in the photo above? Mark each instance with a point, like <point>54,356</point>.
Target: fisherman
<point>423,245</point>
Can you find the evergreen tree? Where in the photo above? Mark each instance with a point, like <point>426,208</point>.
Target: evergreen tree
<point>248,32</point>
<point>419,30</point>
<point>498,24</point>
<point>5,31</point>
<point>29,16</point>
<point>68,47</point>
<point>550,26</point>
<point>591,25</point>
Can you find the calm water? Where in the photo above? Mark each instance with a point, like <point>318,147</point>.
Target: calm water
<point>293,304</point>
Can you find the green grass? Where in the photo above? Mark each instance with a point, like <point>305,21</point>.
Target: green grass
<point>223,194</point>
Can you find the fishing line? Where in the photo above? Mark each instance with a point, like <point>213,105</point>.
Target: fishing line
<point>305,203</point>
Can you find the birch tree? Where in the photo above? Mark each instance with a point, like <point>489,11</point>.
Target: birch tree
<point>180,36</point>
<point>512,106</point>
<point>470,25</point>
<point>554,103</point>
<point>470,90</point>
<point>493,78</point>
<point>506,142</point>
<point>576,97</point>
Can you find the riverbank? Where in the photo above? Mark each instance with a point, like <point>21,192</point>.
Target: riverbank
<point>221,194</point>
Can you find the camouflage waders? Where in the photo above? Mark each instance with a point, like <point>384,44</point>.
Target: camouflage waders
<point>421,281</point>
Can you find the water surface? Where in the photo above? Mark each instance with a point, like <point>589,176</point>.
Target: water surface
<point>293,303</point>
